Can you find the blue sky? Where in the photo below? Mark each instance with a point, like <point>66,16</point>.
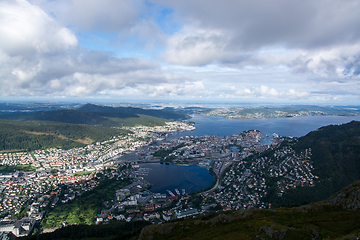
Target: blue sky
<point>290,52</point>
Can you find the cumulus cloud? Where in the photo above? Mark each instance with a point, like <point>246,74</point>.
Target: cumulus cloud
<point>27,29</point>
<point>230,49</point>
<point>40,57</point>
<point>122,20</point>
<point>312,35</point>
<point>266,92</point>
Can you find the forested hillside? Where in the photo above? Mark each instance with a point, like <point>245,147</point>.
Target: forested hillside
<point>336,161</point>
<point>31,135</point>
<point>99,115</point>
<point>131,110</point>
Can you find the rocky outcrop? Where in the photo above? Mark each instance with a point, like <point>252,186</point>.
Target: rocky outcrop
<point>314,233</point>
<point>273,233</point>
<point>222,218</point>
<point>348,198</point>
<point>148,232</point>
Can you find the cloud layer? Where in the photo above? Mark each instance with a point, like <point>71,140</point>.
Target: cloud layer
<point>238,50</point>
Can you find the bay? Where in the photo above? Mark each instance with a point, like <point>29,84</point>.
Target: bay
<point>170,177</point>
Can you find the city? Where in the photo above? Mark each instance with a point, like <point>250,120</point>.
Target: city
<point>55,177</point>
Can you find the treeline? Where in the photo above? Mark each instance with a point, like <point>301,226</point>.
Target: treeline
<point>32,135</point>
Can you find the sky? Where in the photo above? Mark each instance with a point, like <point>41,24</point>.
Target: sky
<point>259,51</point>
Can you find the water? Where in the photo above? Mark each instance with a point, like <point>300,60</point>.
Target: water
<point>195,178</point>
<point>170,177</point>
<point>293,126</point>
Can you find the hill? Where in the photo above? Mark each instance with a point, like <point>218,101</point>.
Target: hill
<point>334,218</point>
<point>335,159</point>
<point>330,219</point>
<point>32,135</point>
<point>131,110</point>
<point>91,114</point>
<point>87,118</point>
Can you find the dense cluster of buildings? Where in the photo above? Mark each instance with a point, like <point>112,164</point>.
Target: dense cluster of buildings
<point>189,148</point>
<point>244,183</point>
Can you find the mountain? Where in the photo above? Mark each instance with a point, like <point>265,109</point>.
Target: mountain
<point>131,110</point>
<point>335,159</point>
<point>91,114</point>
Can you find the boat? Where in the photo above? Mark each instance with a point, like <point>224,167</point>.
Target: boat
<point>177,191</point>
<point>170,193</point>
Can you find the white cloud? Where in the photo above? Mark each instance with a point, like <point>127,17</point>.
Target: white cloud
<point>278,50</point>
<point>315,37</point>
<point>27,29</point>
<point>271,93</point>
<point>196,47</point>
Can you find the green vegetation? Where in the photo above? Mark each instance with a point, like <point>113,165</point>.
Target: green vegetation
<point>135,121</point>
<point>113,230</point>
<point>32,135</point>
<point>82,173</point>
<point>131,110</point>
<point>91,115</point>
<point>83,209</point>
<point>20,168</point>
<point>328,222</point>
